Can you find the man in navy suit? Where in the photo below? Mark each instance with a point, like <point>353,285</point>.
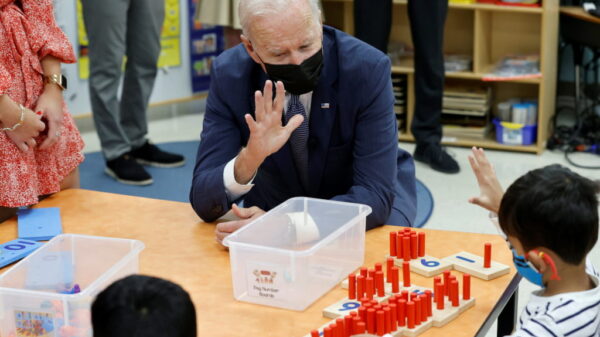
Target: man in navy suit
<point>323,125</point>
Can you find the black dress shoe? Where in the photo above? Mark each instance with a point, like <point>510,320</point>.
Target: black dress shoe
<point>127,171</point>
<point>150,154</point>
<point>436,157</point>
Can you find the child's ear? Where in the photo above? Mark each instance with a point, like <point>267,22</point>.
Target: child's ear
<point>537,260</point>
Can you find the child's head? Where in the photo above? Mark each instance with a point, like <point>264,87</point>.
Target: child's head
<point>554,208</point>
<point>143,306</point>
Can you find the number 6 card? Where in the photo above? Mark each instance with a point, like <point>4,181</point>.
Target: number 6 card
<point>429,266</point>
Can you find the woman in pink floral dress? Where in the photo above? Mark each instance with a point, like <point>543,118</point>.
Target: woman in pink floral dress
<point>40,147</point>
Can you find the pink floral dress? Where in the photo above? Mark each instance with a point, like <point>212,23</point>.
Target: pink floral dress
<point>28,33</point>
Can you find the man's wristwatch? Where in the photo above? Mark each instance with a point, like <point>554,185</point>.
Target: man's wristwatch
<point>58,79</point>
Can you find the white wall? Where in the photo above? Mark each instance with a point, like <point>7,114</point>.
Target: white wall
<point>172,83</point>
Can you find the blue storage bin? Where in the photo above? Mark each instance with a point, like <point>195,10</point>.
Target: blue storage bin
<point>515,133</point>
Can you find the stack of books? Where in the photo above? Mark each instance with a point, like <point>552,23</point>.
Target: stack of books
<point>465,111</point>
<point>399,83</point>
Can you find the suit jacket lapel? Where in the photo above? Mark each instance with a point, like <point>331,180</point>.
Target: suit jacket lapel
<point>323,112</point>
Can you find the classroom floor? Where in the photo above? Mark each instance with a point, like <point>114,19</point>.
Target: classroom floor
<point>450,192</point>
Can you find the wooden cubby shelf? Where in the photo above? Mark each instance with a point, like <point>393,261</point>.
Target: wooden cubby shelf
<point>487,33</point>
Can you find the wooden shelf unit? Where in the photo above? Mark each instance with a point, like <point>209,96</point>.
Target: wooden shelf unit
<point>487,33</point>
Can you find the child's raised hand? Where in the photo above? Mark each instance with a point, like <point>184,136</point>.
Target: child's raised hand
<point>31,126</point>
<point>490,190</point>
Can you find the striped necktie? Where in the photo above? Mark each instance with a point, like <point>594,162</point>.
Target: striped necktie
<point>299,138</point>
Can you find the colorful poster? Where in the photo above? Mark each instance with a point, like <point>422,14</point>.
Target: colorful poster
<point>206,43</point>
<point>170,54</point>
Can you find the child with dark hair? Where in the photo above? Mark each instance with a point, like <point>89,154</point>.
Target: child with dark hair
<point>550,219</point>
<point>143,306</point>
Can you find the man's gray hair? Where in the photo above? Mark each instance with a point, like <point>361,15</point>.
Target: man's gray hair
<point>255,8</point>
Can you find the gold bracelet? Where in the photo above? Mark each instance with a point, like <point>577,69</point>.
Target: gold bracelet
<point>19,123</point>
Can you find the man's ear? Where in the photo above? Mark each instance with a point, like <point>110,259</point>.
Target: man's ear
<point>250,48</point>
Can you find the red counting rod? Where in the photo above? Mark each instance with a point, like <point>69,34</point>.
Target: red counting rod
<point>360,328</point>
<point>327,332</point>
<point>406,273</point>
<point>380,319</point>
<point>446,282</point>
<point>401,313</point>
<point>395,280</point>
<point>487,255</point>
<point>410,315</point>
<point>417,302</point>
<point>370,283</point>
<point>406,248</point>
<point>399,247</point>
<point>352,287</point>
<point>421,244</point>
<point>379,282</point>
<point>439,296</point>
<point>334,329</point>
<point>314,333</point>
<point>340,326</point>
<point>353,313</point>
<point>424,312</point>
<point>363,271</point>
<point>371,321</point>
<point>355,322</point>
<point>466,286</point>
<point>360,286</point>
<point>414,245</point>
<point>378,267</point>
<point>454,293</point>
<point>347,325</point>
<point>388,271</point>
<point>371,273</point>
<point>429,296</point>
<point>393,239</point>
<point>436,280</point>
<point>362,314</point>
<point>388,319</point>
<point>393,317</point>
<point>405,295</point>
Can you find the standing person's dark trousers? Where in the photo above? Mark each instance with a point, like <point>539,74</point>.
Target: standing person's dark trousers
<point>372,20</point>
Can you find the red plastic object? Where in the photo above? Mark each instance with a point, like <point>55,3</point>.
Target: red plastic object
<point>406,248</point>
<point>406,273</point>
<point>401,313</point>
<point>466,286</point>
<point>352,287</point>
<point>371,321</point>
<point>379,283</point>
<point>410,315</point>
<point>414,245</point>
<point>380,319</point>
<point>393,243</point>
<point>487,255</point>
<point>389,265</point>
<point>421,244</point>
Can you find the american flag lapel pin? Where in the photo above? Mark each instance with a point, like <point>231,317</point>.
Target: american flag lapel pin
<point>324,105</point>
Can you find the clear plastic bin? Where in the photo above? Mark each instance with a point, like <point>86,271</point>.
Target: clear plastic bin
<point>34,295</point>
<point>297,252</point>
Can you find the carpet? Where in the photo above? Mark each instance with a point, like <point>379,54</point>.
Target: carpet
<point>174,184</point>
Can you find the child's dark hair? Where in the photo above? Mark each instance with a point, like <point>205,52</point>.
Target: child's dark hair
<point>555,208</point>
<point>143,306</point>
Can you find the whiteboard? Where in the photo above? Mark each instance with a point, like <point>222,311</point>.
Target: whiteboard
<point>171,83</point>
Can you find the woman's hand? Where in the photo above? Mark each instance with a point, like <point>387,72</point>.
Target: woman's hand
<point>50,104</point>
<point>31,126</point>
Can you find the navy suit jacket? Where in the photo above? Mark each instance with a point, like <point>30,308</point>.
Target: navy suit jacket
<point>353,144</point>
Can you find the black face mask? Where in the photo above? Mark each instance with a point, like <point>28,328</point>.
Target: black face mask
<point>298,79</point>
